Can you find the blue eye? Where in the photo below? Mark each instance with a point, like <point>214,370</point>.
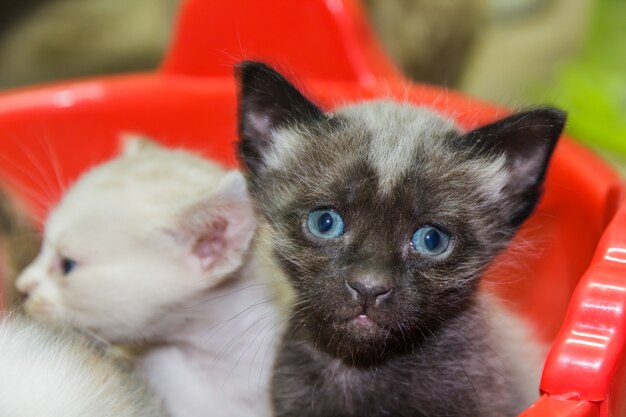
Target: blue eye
<point>67,265</point>
<point>326,223</point>
<point>430,241</point>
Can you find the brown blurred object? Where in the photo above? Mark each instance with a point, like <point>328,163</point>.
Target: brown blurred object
<point>12,11</point>
<point>522,45</point>
<point>60,39</point>
<point>493,49</point>
<point>430,40</point>
<point>19,244</point>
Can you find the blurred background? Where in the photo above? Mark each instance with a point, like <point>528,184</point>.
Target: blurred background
<point>569,53</point>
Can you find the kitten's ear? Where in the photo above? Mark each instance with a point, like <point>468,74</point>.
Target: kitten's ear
<point>527,140</point>
<point>217,228</point>
<point>267,101</point>
<point>134,143</point>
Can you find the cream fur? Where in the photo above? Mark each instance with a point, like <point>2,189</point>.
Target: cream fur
<point>161,239</point>
<point>418,131</point>
<point>50,372</point>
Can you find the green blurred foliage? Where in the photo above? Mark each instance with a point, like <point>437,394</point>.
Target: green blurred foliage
<point>593,87</point>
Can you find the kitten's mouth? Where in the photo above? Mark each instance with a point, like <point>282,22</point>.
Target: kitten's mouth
<point>363,320</point>
<point>366,328</point>
<point>363,327</point>
<point>360,319</point>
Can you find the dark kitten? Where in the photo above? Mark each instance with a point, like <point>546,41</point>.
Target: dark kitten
<point>383,217</point>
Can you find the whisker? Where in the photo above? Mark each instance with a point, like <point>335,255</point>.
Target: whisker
<point>44,180</point>
<point>255,323</point>
<point>54,162</point>
<point>233,340</point>
<point>42,196</point>
<point>233,292</point>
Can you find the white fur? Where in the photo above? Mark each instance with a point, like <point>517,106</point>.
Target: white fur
<point>392,151</point>
<point>48,372</point>
<point>162,239</point>
<point>283,149</point>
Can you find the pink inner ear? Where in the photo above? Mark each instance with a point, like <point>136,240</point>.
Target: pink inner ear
<point>211,243</point>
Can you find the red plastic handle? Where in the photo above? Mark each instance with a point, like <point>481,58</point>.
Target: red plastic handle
<point>562,407</point>
<point>316,39</point>
<point>587,357</point>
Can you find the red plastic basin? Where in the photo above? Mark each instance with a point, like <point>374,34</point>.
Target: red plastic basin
<point>570,282</point>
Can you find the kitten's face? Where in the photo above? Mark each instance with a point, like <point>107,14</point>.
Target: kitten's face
<point>383,215</point>
<point>131,242</point>
<point>96,272</point>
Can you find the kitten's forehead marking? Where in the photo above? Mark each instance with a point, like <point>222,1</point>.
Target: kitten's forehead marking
<point>401,134</point>
<point>284,148</point>
<point>398,132</point>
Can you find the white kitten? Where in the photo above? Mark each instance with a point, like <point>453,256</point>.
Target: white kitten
<point>152,248</point>
<point>50,372</point>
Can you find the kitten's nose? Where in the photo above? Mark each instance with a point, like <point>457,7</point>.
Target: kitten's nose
<point>25,284</point>
<point>368,289</point>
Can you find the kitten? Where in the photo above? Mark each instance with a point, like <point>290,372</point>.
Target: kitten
<point>383,217</point>
<point>152,250</point>
<point>50,372</point>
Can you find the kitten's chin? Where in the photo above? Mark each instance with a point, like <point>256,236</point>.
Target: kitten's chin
<point>42,310</point>
<point>362,338</point>
<point>363,327</point>
<point>361,322</point>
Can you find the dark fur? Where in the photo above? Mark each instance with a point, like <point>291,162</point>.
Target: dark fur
<point>429,353</point>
